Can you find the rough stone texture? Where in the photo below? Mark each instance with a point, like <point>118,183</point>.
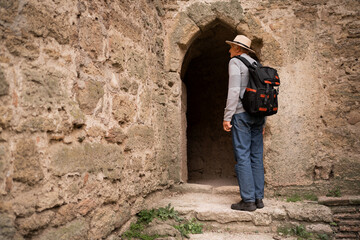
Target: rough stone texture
<point>7,226</point>
<point>26,163</point>
<point>94,96</point>
<point>4,85</point>
<point>213,210</point>
<point>88,157</point>
<point>90,95</point>
<point>76,229</point>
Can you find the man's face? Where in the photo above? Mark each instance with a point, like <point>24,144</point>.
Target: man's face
<point>234,51</point>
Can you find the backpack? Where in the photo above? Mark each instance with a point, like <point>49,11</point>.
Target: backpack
<point>260,97</point>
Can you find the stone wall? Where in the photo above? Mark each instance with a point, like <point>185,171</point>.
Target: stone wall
<point>312,144</point>
<point>92,104</point>
<point>85,112</point>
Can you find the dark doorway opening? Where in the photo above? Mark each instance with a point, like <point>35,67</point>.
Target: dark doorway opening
<point>210,158</point>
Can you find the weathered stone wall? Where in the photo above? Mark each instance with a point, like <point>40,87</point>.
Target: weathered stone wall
<point>85,112</point>
<point>313,143</point>
<point>92,104</point>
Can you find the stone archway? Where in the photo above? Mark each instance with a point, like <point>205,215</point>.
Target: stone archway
<point>205,25</point>
<point>204,73</point>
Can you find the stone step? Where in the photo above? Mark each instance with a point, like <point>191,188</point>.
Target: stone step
<point>211,206</point>
<point>235,236</point>
<point>346,215</point>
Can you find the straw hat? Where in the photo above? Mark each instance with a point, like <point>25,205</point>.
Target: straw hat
<point>241,41</point>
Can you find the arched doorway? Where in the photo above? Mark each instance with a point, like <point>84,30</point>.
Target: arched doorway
<point>210,158</point>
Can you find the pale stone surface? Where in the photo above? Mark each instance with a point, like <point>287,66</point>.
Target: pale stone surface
<point>309,212</point>
<point>26,165</point>
<point>232,236</point>
<point>88,158</point>
<point>76,230</point>
<point>89,97</point>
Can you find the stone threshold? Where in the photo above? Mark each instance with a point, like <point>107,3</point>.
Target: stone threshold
<point>211,206</point>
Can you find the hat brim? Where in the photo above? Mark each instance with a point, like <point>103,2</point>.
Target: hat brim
<point>240,45</point>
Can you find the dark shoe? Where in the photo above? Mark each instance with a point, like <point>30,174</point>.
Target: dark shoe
<point>259,203</point>
<point>244,206</point>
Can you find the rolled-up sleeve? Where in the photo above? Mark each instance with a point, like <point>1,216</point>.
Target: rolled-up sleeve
<point>233,90</point>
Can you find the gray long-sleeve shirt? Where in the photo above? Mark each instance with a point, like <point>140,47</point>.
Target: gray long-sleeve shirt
<point>238,80</point>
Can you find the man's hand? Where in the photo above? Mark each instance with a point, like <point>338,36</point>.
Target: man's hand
<point>227,126</point>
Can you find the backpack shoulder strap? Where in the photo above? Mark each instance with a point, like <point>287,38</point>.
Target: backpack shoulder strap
<point>245,61</point>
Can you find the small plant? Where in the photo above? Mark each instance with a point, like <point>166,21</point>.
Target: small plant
<point>334,224</point>
<point>323,236</point>
<point>310,197</point>
<point>147,216</point>
<point>294,198</point>
<point>301,233</point>
<point>189,227</point>
<point>335,192</point>
<point>297,197</point>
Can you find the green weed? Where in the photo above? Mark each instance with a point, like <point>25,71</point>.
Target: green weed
<point>301,233</point>
<point>294,198</point>
<point>306,196</point>
<point>145,217</point>
<point>335,192</point>
<point>189,227</point>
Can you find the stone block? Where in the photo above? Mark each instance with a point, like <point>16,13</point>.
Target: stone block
<point>123,109</point>
<point>3,162</point>
<point>224,217</point>
<point>7,226</point>
<point>105,220</point>
<point>8,10</point>
<point>162,229</point>
<point>184,32</point>
<point>261,219</point>
<point>77,116</point>
<point>349,228</point>
<point>24,204</point>
<point>26,163</point>
<point>92,158</point>
<point>35,124</point>
<point>65,213</point>
<point>117,51</point>
<point>346,216</point>
<point>48,200</point>
<point>308,212</point>
<point>85,206</point>
<point>230,13</point>
<point>137,65</point>
<point>353,117</point>
<point>140,137</point>
<point>41,22</point>
<point>89,97</point>
<point>115,135</point>
<point>4,85</point>
<point>91,37</point>
<point>339,201</point>
<point>319,228</point>
<point>75,230</point>
<point>22,47</point>
<point>6,115</point>
<point>34,222</point>
<point>42,87</point>
<point>202,14</point>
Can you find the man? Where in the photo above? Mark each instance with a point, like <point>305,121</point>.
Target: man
<point>246,130</point>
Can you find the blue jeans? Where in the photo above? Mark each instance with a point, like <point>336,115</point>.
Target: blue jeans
<point>247,139</point>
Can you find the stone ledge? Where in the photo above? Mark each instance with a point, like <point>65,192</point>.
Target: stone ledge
<point>201,188</point>
<point>339,201</point>
<point>209,207</point>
